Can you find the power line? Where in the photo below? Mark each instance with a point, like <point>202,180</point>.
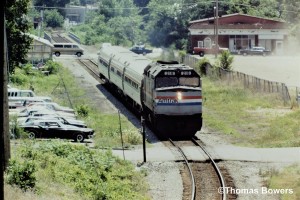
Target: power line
<point>186,5</point>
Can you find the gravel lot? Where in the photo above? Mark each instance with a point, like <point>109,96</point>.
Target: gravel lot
<point>164,177</point>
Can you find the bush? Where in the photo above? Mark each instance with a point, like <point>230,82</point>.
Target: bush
<point>21,174</point>
<point>52,67</point>
<point>225,60</point>
<point>202,65</point>
<point>82,110</point>
<point>19,79</point>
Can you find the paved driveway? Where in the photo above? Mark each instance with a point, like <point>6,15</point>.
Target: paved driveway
<point>284,69</point>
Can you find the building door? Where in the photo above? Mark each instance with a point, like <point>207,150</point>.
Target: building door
<point>232,47</point>
<point>279,47</point>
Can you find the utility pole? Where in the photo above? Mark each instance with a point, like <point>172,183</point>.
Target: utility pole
<point>4,139</point>
<point>217,27</point>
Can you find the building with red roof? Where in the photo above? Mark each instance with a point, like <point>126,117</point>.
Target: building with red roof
<point>239,31</point>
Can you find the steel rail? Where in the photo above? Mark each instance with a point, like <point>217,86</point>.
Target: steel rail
<point>84,62</point>
<point>218,171</point>
<point>190,170</point>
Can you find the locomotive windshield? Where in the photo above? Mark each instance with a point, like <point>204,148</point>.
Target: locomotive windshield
<point>177,81</point>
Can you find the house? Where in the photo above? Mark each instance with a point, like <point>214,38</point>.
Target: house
<point>239,31</point>
<point>40,49</point>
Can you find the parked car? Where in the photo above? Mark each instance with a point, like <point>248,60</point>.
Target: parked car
<point>52,106</point>
<point>40,111</point>
<point>140,49</point>
<point>30,120</point>
<point>45,128</point>
<point>201,51</point>
<point>255,51</point>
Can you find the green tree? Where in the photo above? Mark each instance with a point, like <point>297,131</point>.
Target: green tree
<point>17,24</point>
<point>51,3</point>
<point>53,18</point>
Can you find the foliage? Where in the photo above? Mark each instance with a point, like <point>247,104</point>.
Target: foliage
<point>166,23</point>
<point>94,174</point>
<point>52,67</point>
<point>116,22</point>
<point>21,174</point>
<point>17,24</point>
<point>202,64</point>
<point>267,121</point>
<point>82,110</point>
<point>181,54</point>
<point>287,178</point>
<point>15,130</point>
<point>19,78</point>
<point>51,3</point>
<point>225,60</point>
<point>53,18</point>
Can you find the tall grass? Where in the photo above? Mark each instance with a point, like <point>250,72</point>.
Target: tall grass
<point>252,119</point>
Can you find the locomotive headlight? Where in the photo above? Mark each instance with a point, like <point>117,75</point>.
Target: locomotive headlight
<point>179,95</point>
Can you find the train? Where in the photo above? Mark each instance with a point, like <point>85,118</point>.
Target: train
<point>166,93</point>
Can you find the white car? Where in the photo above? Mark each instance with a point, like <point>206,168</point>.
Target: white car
<point>41,111</point>
<point>30,120</point>
<point>52,106</point>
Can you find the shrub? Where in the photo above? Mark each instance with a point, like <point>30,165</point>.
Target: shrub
<point>202,64</point>
<point>52,67</point>
<point>21,174</point>
<point>19,79</point>
<point>82,110</point>
<point>15,130</point>
<point>225,60</point>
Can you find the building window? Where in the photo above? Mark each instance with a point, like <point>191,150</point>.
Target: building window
<point>200,43</point>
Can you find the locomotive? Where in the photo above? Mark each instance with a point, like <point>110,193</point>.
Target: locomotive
<point>167,94</point>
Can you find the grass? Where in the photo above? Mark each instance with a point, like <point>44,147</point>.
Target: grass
<point>67,171</point>
<point>287,179</point>
<point>250,119</point>
<point>255,120</point>
<point>247,118</point>
<point>66,91</point>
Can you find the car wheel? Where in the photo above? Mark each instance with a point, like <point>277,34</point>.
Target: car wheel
<point>78,54</point>
<point>201,54</point>
<point>79,137</point>
<point>31,135</point>
<point>57,54</point>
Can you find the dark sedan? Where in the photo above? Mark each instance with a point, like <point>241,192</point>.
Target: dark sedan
<point>140,49</point>
<point>56,129</point>
<point>255,51</point>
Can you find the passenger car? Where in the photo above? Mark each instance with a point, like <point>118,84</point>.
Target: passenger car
<point>40,111</point>
<point>52,106</point>
<point>45,128</point>
<point>140,49</point>
<point>30,120</point>
<point>255,51</point>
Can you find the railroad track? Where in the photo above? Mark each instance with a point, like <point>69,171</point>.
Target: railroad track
<point>198,188</point>
<point>91,67</point>
<point>206,179</point>
<point>57,38</point>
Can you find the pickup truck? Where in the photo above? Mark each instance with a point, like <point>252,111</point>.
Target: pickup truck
<point>204,50</point>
